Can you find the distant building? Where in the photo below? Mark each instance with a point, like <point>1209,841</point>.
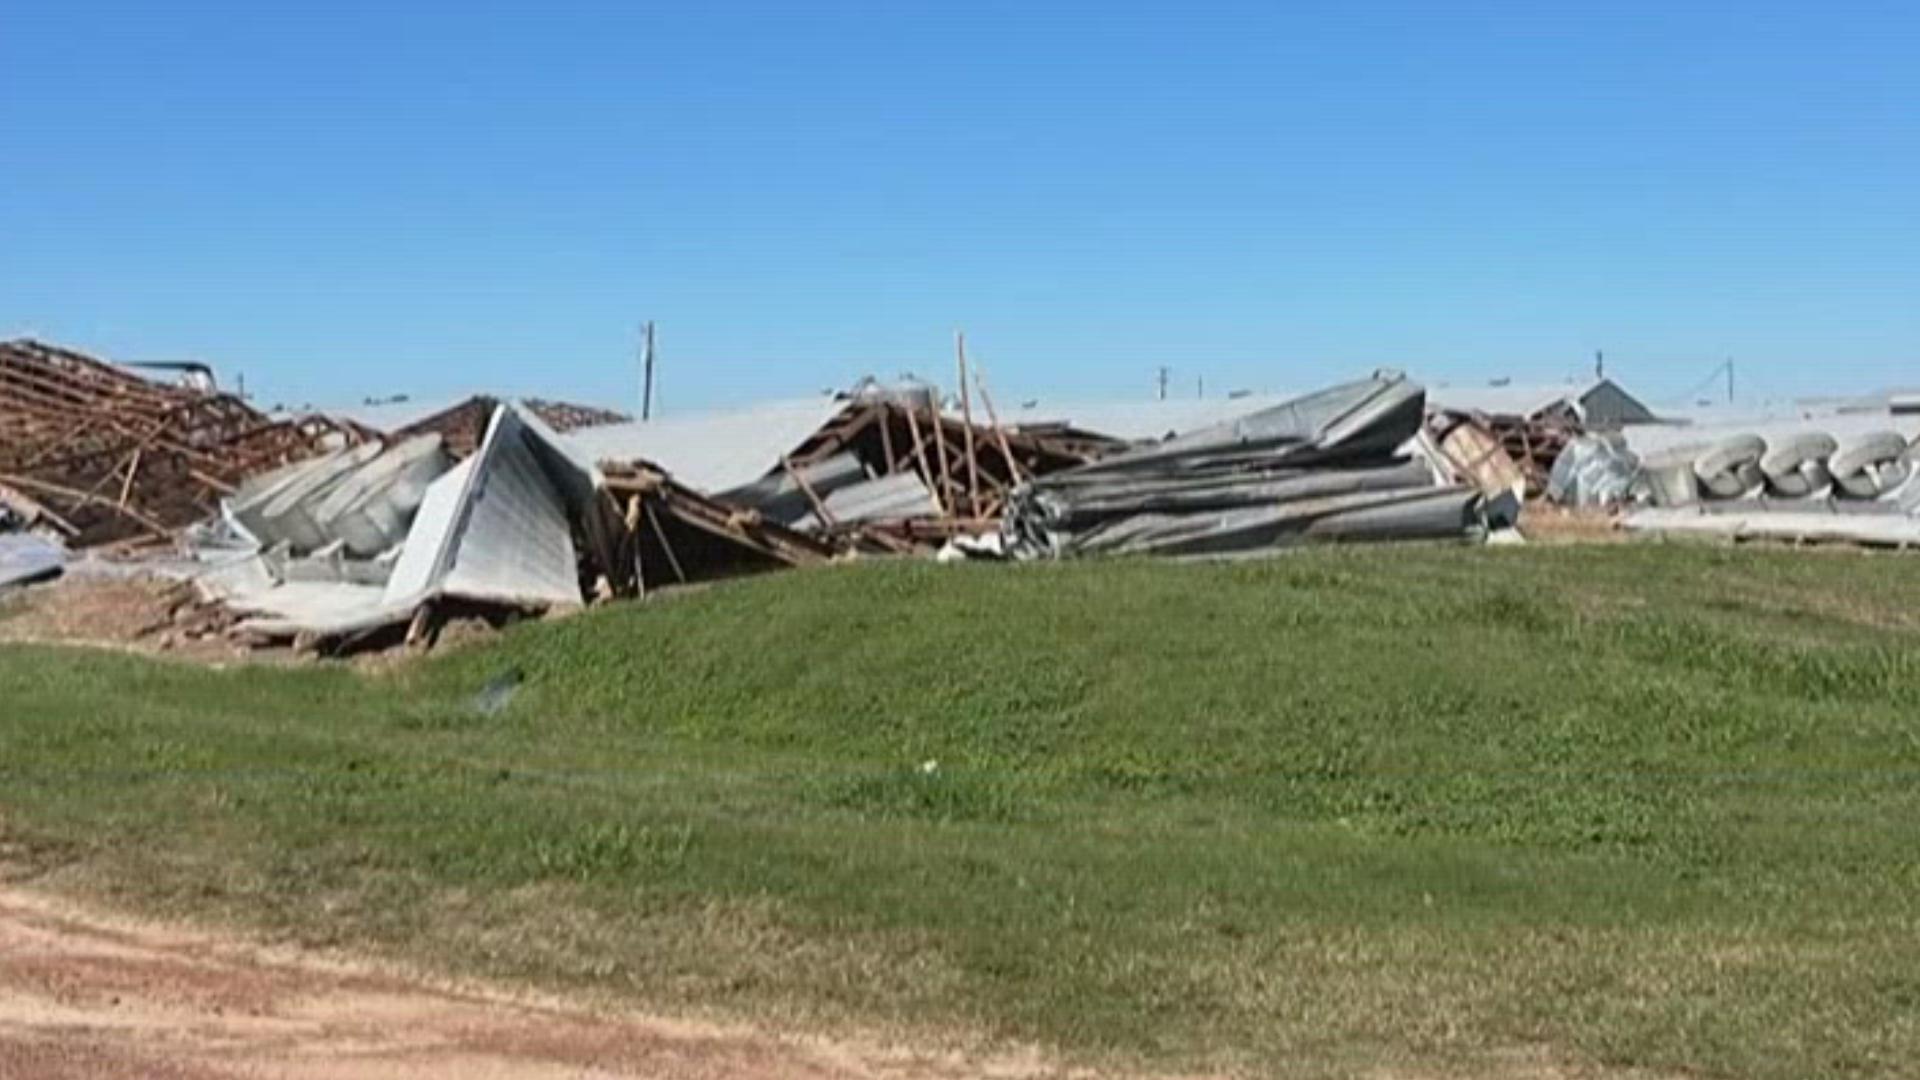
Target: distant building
<point>1601,403</point>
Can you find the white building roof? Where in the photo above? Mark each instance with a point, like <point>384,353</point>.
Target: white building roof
<point>1506,400</point>
<point>714,451</point>
<point>1140,420</point>
<point>394,415</point>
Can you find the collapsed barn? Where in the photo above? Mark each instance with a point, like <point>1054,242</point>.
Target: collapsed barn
<point>333,531</point>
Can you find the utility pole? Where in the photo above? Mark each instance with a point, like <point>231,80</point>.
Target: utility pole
<point>646,378</point>
<point>1164,371</point>
<point>1729,380</point>
<point>1199,386</point>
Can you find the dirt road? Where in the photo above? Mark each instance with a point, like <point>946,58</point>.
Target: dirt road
<point>84,997</point>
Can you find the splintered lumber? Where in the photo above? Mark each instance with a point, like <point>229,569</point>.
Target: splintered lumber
<point>813,497</point>
<point>999,433</point>
<point>118,457</point>
<point>666,545</point>
<point>938,431</point>
<point>888,433</point>
<point>700,537</point>
<point>966,417</point>
<point>32,512</point>
<point>920,451</point>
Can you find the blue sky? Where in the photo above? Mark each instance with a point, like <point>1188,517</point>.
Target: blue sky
<point>341,200</point>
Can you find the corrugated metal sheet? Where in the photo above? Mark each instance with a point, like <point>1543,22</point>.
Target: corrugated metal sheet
<point>782,499</point>
<point>287,514</point>
<point>372,509</point>
<point>423,557</point>
<point>364,496</point>
<point>1329,466</point>
<point>900,497</point>
<point>515,545</point>
<point>498,527</point>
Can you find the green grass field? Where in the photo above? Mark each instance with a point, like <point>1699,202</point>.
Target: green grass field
<point>1420,808</point>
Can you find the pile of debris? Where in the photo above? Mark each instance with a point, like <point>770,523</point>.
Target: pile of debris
<point>102,455</point>
<point>1517,434</point>
<point>1345,464</point>
<point>332,535</point>
<point>388,536</point>
<point>894,471</point>
<point>1502,452</point>
<point>676,535</point>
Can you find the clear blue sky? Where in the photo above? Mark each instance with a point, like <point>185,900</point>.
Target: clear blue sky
<point>431,196</point>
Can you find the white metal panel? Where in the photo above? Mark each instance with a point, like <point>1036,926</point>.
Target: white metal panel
<point>371,509</point>
<point>515,544</point>
<point>431,537</point>
<point>711,452</point>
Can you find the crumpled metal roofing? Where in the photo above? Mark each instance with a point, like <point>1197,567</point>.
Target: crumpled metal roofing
<point>497,528</point>
<point>363,496</point>
<point>900,497</point>
<point>1328,466</point>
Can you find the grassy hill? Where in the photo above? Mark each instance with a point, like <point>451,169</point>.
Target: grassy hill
<point>1621,807</point>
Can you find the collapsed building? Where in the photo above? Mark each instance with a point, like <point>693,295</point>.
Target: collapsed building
<point>381,524</point>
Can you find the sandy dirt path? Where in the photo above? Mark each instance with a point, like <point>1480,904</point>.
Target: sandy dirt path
<point>84,996</point>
